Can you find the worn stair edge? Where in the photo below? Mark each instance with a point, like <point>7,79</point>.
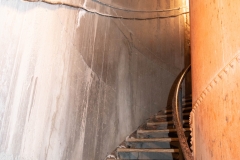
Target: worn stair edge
<point>160,131</point>
<point>169,115</point>
<point>147,150</point>
<point>166,122</point>
<point>151,139</point>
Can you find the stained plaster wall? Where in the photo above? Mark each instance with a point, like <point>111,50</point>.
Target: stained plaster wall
<point>73,84</point>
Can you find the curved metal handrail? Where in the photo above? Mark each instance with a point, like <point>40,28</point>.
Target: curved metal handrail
<point>176,118</point>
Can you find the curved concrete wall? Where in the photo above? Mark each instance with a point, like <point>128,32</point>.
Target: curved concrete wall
<point>73,84</point>
<point>215,77</point>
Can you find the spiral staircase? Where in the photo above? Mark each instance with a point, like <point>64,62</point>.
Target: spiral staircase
<point>160,136</point>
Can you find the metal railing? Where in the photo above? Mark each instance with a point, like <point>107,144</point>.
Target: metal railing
<point>177,117</point>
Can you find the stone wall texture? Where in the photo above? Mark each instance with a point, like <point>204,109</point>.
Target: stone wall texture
<point>74,84</point>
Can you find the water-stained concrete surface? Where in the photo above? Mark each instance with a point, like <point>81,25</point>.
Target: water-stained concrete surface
<point>73,84</point>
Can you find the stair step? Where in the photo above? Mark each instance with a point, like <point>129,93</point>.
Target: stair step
<point>186,108</point>
<point>160,131</point>
<point>160,123</point>
<point>147,150</point>
<point>169,115</point>
<point>151,139</point>
<point>187,99</point>
<point>183,109</point>
<point>186,103</point>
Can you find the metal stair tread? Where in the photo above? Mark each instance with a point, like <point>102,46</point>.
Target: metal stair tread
<point>187,99</point>
<point>160,131</point>
<point>151,139</point>
<point>183,109</point>
<point>186,103</point>
<point>147,150</point>
<point>164,122</point>
<point>169,115</point>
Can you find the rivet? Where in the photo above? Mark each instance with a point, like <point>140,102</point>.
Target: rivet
<point>203,96</point>
<point>226,70</point>
<point>206,90</point>
<point>220,75</point>
<point>209,88</point>
<point>212,84</point>
<point>198,102</point>
<point>194,107</point>
<point>216,80</point>
<point>232,64</point>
